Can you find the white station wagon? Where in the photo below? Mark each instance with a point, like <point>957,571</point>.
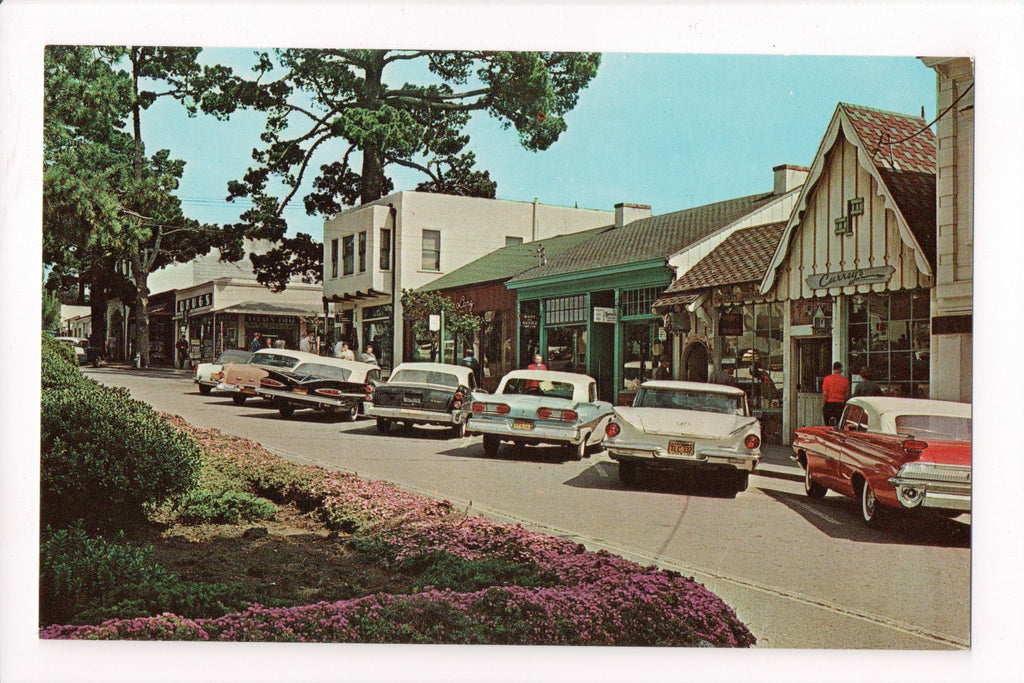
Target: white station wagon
<point>685,426</point>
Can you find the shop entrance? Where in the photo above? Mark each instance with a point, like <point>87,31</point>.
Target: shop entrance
<point>813,362</point>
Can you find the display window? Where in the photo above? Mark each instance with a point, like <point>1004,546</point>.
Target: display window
<point>889,334</point>
<point>755,355</point>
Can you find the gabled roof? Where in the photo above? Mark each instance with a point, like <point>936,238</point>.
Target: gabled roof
<point>655,237</point>
<point>742,257</point>
<point>898,150</point>
<point>506,262</point>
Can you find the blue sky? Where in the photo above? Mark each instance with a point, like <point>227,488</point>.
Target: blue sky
<point>669,130</point>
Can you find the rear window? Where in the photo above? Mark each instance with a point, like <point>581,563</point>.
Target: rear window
<point>935,426</point>
<point>425,377</point>
<point>273,360</point>
<point>681,399</point>
<point>325,371</point>
<point>534,387</point>
<point>233,356</point>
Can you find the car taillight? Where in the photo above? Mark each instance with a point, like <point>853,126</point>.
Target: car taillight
<point>195,371</point>
<point>458,395</point>
<point>478,407</point>
<point>502,409</point>
<point>457,405</point>
<point>369,389</point>
<point>612,429</point>
<point>272,383</point>
<point>217,376</point>
<point>914,447</point>
<point>544,413</point>
<point>329,392</point>
<point>751,441</point>
<point>569,415</point>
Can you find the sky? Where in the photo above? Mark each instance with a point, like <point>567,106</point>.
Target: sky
<point>665,129</point>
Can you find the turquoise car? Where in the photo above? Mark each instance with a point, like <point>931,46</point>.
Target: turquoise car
<point>541,407</point>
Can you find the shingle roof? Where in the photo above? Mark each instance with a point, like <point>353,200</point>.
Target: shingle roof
<point>503,263</point>
<point>742,257</point>
<point>648,238</point>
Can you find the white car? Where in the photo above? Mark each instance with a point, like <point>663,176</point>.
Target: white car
<point>691,426</point>
<point>209,375</point>
<point>79,345</point>
<point>242,380</point>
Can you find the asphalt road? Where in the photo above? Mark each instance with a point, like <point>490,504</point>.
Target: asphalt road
<point>800,573</point>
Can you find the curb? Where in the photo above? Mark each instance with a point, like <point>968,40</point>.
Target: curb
<point>779,472</point>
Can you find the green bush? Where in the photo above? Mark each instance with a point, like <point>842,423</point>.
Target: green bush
<point>84,580</point>
<point>445,571</point>
<point>222,507</point>
<point>105,456</point>
<point>417,621</point>
<point>59,365</point>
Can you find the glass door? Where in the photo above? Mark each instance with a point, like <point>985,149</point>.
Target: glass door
<point>814,361</point>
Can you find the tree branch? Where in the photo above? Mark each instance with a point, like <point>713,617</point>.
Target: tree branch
<point>406,55</point>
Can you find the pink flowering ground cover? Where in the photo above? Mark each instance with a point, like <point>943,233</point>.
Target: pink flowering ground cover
<point>586,598</point>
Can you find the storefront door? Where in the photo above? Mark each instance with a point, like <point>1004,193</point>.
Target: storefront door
<point>813,362</point>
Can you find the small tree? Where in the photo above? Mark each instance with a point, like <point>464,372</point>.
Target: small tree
<point>419,306</point>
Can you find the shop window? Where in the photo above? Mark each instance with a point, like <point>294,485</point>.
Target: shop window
<point>634,302</point>
<point>348,255</point>
<point>385,249</point>
<point>567,349</point>
<point>641,352</point>
<point>431,256</point>
<point>892,340</point>
<point>512,241</point>
<point>566,310</point>
<point>756,353</point>
<point>362,252</point>
<point>529,331</point>
<point>334,257</point>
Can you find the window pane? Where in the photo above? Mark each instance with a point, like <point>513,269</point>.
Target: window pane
<point>362,252</point>
<point>385,249</point>
<point>899,306</point>
<point>509,240</point>
<point>334,258</point>
<point>431,250</point>
<point>348,255</point>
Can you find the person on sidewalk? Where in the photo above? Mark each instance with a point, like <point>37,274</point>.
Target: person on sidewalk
<point>182,348</point>
<point>369,356</point>
<point>664,369</point>
<point>835,389</point>
<point>256,344</point>
<point>867,386</point>
<point>304,344</point>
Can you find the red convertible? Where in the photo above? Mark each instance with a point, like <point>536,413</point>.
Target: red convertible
<point>892,454</point>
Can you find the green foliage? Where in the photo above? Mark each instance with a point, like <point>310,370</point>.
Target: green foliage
<point>51,311</point>
<point>84,580</point>
<point>105,456</point>
<point>443,570</point>
<point>417,307</point>
<point>200,506</point>
<point>415,620</point>
<point>59,363</point>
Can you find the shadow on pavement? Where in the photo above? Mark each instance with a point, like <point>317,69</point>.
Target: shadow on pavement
<point>839,517</point>
<point>605,475</point>
<point>553,455</point>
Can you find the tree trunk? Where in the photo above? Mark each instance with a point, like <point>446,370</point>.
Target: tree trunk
<point>373,162</point>
<point>141,276</point>
<point>98,307</point>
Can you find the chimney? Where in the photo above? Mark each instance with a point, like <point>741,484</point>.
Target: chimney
<point>789,177</point>
<point>627,213</point>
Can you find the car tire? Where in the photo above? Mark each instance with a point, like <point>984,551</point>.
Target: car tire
<point>286,409</point>
<point>205,390</point>
<point>238,399</point>
<point>491,444</point>
<point>740,480</point>
<point>871,511</point>
<point>459,430</point>
<point>629,474</point>
<point>383,425</point>
<point>812,488</point>
<point>577,451</point>
<point>352,414</point>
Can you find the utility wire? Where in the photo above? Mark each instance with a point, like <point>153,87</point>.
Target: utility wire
<point>945,111</point>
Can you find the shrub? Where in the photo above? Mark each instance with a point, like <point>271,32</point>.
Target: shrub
<point>88,580</point>
<point>59,365</point>
<point>222,507</point>
<point>105,456</point>
<point>444,571</point>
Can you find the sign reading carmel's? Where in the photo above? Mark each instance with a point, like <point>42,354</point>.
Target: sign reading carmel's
<point>847,278</point>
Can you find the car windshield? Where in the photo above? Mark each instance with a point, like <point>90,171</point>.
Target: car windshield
<point>686,399</point>
<point>413,376</point>
<point>935,426</point>
<point>232,356</point>
<point>273,360</point>
<point>538,387</point>
<point>325,371</point>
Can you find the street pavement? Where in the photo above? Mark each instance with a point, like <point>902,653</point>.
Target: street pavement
<point>799,573</point>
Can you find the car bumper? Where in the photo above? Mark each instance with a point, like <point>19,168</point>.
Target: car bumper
<point>345,401</point>
<point>713,457</point>
<point>236,389</point>
<point>539,433</point>
<point>929,494</point>
<point>435,417</point>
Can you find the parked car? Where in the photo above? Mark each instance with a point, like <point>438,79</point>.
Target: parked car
<point>424,393</point>
<point>541,406</point>
<point>328,384</point>
<point>892,454</point>
<point>685,426</point>
<point>209,375</point>
<point>242,380</point>
<point>79,345</point>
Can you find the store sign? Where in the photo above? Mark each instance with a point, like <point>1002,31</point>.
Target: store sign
<point>730,325</point>
<point>529,321</point>
<point>605,315</point>
<point>849,278</point>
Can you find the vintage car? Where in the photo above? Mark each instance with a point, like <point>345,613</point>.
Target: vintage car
<point>424,393</point>
<point>242,380</point>
<point>327,384</point>
<point>209,375</point>
<point>689,426</point>
<point>892,454</point>
<point>77,344</point>
<point>538,407</point>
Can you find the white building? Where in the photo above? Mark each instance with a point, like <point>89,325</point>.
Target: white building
<point>407,239</point>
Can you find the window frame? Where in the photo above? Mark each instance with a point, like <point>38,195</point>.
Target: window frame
<point>434,253</point>
<point>334,258</point>
<point>361,251</point>
<point>348,255</point>
<point>384,258</point>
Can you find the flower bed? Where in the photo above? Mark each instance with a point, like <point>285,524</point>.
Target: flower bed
<point>597,598</point>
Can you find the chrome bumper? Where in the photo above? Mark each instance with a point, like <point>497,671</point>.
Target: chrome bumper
<point>932,494</point>
<point>539,434</point>
<point>343,401</point>
<point>236,389</point>
<point>707,456</point>
<point>436,417</point>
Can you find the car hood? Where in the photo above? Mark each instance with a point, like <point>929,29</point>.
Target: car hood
<point>668,422</point>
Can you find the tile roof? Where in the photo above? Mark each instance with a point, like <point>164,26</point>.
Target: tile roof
<point>506,262</point>
<point>648,238</point>
<point>742,257</point>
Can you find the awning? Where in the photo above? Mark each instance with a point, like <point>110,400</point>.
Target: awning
<point>673,301</point>
<point>265,308</point>
<point>356,296</point>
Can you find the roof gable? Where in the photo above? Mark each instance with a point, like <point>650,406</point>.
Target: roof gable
<point>741,257</point>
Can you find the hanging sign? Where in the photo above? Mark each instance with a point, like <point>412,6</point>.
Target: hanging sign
<point>849,278</point>
<point>605,315</point>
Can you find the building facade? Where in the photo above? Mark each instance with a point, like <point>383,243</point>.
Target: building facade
<point>407,239</point>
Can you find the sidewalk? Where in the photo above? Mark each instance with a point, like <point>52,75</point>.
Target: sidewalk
<point>775,463</point>
<point>151,372</point>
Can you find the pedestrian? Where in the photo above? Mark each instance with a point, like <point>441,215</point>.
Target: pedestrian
<point>538,363</point>
<point>279,343</point>
<point>338,346</point>
<point>182,348</point>
<point>867,386</point>
<point>722,375</point>
<point>835,389</point>
<point>472,363</point>
<point>256,344</point>
<point>304,344</point>
<point>664,369</point>
<point>368,355</point>
<point>346,352</point>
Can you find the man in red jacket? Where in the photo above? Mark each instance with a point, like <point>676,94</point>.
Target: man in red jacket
<point>835,389</point>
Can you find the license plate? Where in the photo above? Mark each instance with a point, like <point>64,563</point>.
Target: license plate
<point>412,400</point>
<point>525,425</point>
<point>299,390</point>
<point>248,390</point>
<point>680,447</point>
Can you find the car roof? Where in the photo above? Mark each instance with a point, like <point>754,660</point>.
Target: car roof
<point>298,355</point>
<point>550,375</point>
<point>692,386</point>
<point>912,406</point>
<point>460,371</point>
<point>338,362</point>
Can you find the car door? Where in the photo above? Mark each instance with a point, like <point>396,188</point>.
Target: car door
<point>849,448</point>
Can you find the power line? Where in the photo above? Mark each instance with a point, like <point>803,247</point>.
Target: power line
<point>945,111</point>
